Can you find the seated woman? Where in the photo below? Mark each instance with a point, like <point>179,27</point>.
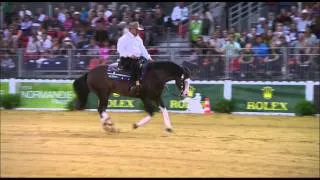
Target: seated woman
<point>272,62</point>
<point>32,50</point>
<point>246,61</point>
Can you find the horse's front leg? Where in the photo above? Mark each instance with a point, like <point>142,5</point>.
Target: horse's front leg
<point>106,122</point>
<point>149,108</point>
<point>165,115</point>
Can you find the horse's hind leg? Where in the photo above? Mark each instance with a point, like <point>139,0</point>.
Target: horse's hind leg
<point>149,108</point>
<point>165,114</point>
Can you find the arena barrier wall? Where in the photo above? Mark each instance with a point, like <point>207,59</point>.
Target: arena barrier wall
<point>261,98</point>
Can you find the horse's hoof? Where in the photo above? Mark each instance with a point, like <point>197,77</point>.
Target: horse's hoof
<point>169,130</point>
<point>134,126</point>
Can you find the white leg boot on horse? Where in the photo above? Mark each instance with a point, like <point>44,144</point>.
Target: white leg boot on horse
<point>106,123</point>
<point>166,119</point>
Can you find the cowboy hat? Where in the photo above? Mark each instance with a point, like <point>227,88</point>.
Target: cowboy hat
<point>135,25</point>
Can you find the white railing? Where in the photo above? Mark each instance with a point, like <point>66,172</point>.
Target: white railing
<point>243,14</point>
<point>224,65</point>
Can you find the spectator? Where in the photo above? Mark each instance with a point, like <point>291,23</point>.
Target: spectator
<point>293,33</point>
<point>261,50</point>
<point>293,12</point>
<point>272,61</point>
<point>148,24</point>
<point>236,34</point>
<point>231,47</point>
<point>123,26</point>
<point>262,26</point>
<point>5,33</point>
<point>310,38</point>
<point>55,50</point>
<point>215,43</point>
<point>26,25</point>
<point>100,34</point>
<point>40,16</point>
<point>82,42</point>
<point>205,68</point>
<point>71,10</point>
<point>252,33</point>
<point>68,22</point>
<point>77,24</point>
<point>270,20</point>
<point>99,19</point>
<point>137,16</point>
<point>67,45</point>
<point>54,23</point>
<point>115,14</point>
<point>84,15</point>
<point>193,63</point>
<point>246,61</point>
<point>206,22</point>
<point>47,44</point>
<point>283,17</point>
<point>104,52</point>
<point>91,17</point>
<point>32,49</point>
<point>179,18</point>
<point>113,31</point>
<point>195,27</point>
<point>108,12</point>
<point>268,37</point>
<point>159,20</point>
<point>303,60</point>
<point>93,48</point>
<point>60,15</point>
<point>7,64</point>
<point>303,21</point>
<point>23,12</point>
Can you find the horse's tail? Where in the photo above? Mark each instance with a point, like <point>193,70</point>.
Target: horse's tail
<point>81,89</point>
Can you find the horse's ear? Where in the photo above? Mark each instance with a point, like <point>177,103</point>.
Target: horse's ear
<point>186,71</point>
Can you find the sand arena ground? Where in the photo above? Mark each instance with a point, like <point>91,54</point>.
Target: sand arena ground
<point>73,144</point>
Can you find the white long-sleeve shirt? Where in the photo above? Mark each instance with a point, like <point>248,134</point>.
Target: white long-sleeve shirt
<point>179,13</point>
<point>129,45</point>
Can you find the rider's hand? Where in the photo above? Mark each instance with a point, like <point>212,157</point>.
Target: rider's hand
<point>151,60</point>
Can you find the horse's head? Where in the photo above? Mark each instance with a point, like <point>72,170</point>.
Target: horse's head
<point>183,82</point>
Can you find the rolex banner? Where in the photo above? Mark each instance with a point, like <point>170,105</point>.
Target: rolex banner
<point>267,98</point>
<point>170,96</point>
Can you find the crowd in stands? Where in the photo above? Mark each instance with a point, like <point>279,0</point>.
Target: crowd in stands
<point>259,50</point>
<point>92,35</point>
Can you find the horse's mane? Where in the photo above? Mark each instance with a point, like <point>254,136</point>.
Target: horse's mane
<point>167,66</point>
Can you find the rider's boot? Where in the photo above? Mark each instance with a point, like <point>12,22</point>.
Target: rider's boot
<point>135,89</point>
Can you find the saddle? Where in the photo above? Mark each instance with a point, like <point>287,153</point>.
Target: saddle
<point>116,73</point>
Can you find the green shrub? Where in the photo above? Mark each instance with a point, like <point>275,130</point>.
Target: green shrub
<point>305,108</point>
<point>1,101</point>
<point>10,101</point>
<point>70,105</point>
<point>223,106</point>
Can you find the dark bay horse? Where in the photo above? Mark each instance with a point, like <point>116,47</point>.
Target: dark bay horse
<point>155,75</point>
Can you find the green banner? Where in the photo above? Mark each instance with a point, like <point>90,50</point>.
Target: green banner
<point>173,102</point>
<point>45,95</point>
<point>170,97</point>
<point>4,88</point>
<point>267,98</point>
<point>116,102</point>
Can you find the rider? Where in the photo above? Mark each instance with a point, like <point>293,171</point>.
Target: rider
<point>130,47</point>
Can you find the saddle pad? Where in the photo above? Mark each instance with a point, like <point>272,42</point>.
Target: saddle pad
<point>113,72</point>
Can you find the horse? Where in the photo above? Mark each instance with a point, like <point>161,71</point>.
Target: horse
<point>104,80</point>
